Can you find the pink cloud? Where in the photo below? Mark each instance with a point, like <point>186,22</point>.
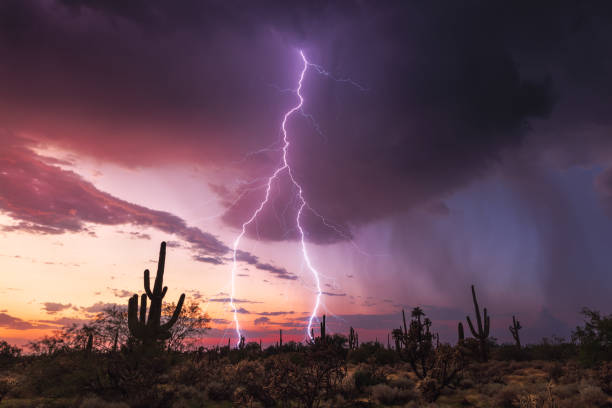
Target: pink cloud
<point>47,199</point>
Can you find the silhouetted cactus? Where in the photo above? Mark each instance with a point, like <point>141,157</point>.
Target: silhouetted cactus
<point>150,331</point>
<point>482,335</point>
<point>460,334</point>
<point>353,339</point>
<point>514,329</point>
<point>241,343</point>
<point>323,329</point>
<point>280,338</point>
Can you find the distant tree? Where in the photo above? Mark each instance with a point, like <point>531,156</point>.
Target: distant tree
<point>191,325</point>
<point>594,340</point>
<point>111,328</point>
<point>8,354</point>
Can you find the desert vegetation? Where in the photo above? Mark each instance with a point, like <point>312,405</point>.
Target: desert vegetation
<point>148,356</point>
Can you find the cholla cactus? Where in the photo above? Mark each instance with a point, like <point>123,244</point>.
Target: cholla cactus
<point>150,331</point>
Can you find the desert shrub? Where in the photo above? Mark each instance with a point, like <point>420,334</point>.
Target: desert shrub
<point>429,388</point>
<point>566,391</point>
<point>403,383</point>
<point>553,349</point>
<point>506,396</point>
<point>490,389</point>
<point>97,402</point>
<point>366,377</point>
<point>387,395</point>
<point>369,350</point>
<point>603,376</point>
<point>252,383</point>
<point>508,352</point>
<point>592,396</point>
<point>555,372</point>
<point>218,391</point>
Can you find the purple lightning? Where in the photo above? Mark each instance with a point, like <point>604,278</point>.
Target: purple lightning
<point>302,202</point>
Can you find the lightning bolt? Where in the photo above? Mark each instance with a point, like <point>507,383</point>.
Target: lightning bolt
<point>284,166</point>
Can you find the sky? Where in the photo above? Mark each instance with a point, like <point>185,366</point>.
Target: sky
<point>444,143</point>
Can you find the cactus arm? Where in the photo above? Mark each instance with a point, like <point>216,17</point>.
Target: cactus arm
<point>132,310</point>
<point>164,290</point>
<point>471,326</point>
<point>159,277</point>
<point>177,312</point>
<point>147,284</point>
<point>487,323</point>
<point>133,324</point>
<point>477,311</point>
<point>143,309</point>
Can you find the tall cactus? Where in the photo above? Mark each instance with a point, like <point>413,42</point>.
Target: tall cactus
<point>482,334</point>
<point>514,329</point>
<point>323,337</point>
<point>150,331</point>
<point>460,334</point>
<point>280,337</point>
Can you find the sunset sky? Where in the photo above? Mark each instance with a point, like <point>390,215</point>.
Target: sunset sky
<point>476,149</point>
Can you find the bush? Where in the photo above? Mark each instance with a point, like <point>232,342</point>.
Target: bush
<point>217,391</point>
<point>592,396</point>
<point>387,395</point>
<point>365,378</point>
<point>97,402</point>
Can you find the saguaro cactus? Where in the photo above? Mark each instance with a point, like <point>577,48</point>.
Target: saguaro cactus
<point>514,329</point>
<point>323,329</point>
<point>150,331</point>
<point>482,335</point>
<point>280,337</point>
<point>460,334</point>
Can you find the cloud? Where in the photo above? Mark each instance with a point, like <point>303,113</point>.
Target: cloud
<point>99,307</point>
<point>121,293</point>
<point>274,313</point>
<point>226,300</point>
<point>65,321</point>
<point>220,321</point>
<point>333,294</point>
<point>278,272</point>
<point>49,200</point>
<point>261,320</point>
<point>433,119</point>
<point>207,259</point>
<point>10,322</point>
<point>242,310</point>
<point>53,307</point>
<point>135,235</point>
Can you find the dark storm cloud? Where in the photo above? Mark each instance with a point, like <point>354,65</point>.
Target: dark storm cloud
<point>451,88</point>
